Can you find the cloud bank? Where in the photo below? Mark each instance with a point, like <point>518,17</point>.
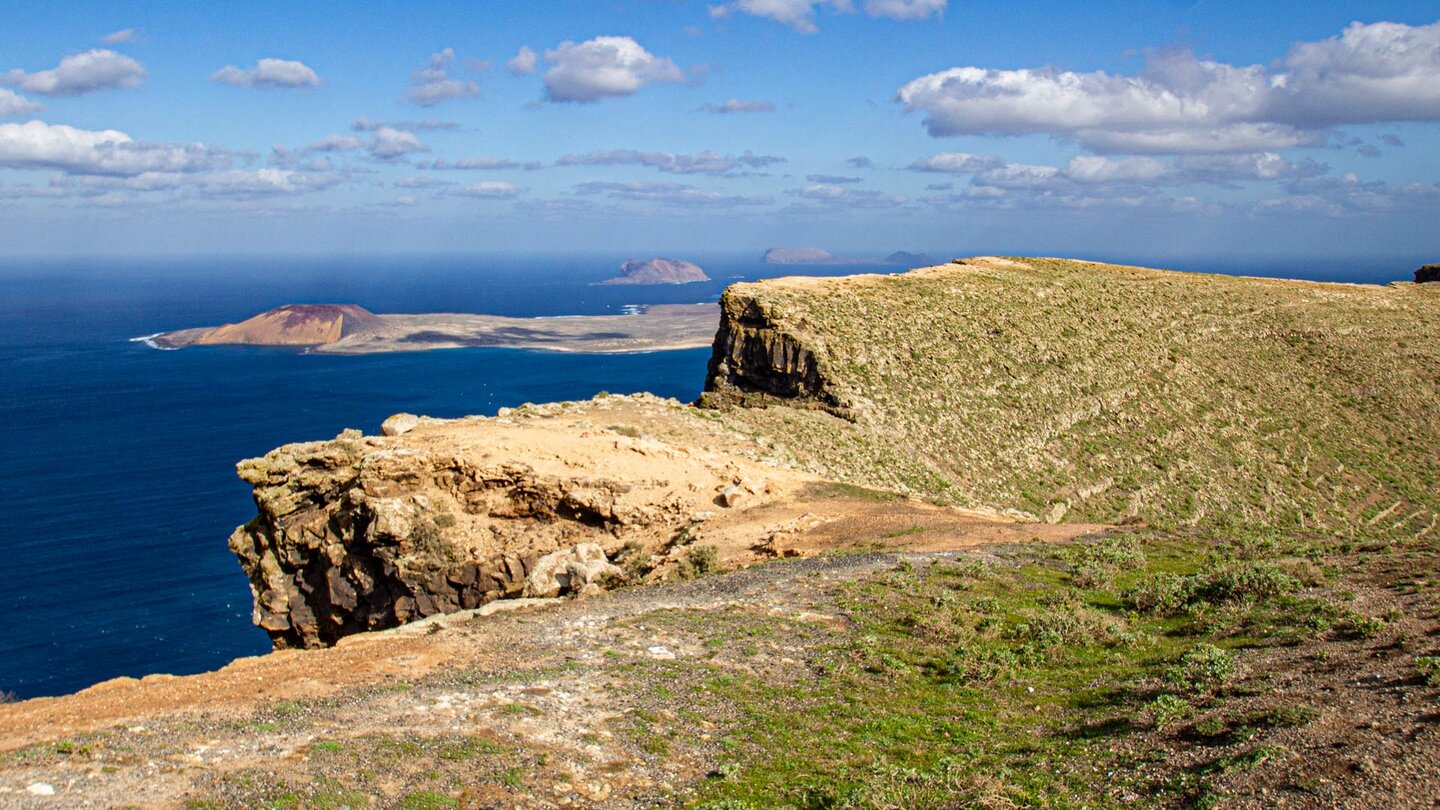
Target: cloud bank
<point>1180,103</point>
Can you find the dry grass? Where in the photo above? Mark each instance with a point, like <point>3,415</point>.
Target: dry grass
<point>1078,391</point>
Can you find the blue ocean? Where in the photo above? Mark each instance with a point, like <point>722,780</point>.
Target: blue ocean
<point>117,479</point>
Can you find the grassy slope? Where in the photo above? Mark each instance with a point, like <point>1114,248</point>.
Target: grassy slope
<point>1107,392</point>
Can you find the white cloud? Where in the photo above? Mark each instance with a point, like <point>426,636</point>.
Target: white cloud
<point>80,73</point>
<point>604,67</point>
<point>386,144</point>
<point>483,164</point>
<point>13,105</point>
<point>861,162</point>
<point>392,144</point>
<point>798,14</point>
<point>434,84</point>
<point>830,179</point>
<point>905,9</point>
<point>735,105</point>
<point>1182,104</point>
<point>671,194</point>
<point>833,195</point>
<point>268,72</point>
<point>422,182</point>
<point>488,190</point>
<point>955,163</point>
<point>523,63</point>
<point>38,145</point>
<point>119,37</point>
<point>706,162</point>
<point>363,124</point>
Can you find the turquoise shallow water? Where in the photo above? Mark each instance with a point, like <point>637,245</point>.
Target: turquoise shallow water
<point>117,484</point>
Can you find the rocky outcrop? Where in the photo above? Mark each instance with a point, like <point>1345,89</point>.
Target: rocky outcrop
<point>755,358</point>
<point>659,271</point>
<point>369,532</point>
<point>1428,274</point>
<point>797,255</point>
<point>354,535</point>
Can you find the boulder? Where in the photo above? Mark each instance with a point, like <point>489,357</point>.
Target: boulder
<point>582,569</point>
<point>1428,273</point>
<point>399,424</point>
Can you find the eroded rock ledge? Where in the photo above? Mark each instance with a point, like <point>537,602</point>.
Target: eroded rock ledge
<point>368,532</point>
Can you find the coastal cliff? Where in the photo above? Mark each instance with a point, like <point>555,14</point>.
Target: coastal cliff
<point>1063,389</point>
<point>368,532</point>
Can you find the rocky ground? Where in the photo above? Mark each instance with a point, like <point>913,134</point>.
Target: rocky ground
<point>816,682</point>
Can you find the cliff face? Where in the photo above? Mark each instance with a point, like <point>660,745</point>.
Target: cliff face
<point>757,358</point>
<point>368,532</point>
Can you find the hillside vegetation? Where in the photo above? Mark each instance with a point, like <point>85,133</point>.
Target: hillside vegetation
<point>1080,391</point>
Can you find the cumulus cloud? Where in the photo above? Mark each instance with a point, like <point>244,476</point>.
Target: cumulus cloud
<point>483,164</point>
<point>120,37</point>
<point>38,145</point>
<point>955,163</point>
<point>673,194</point>
<point>604,67</point>
<point>433,84</point>
<point>1350,195</point>
<point>80,73</point>
<point>385,144</point>
<point>735,105</point>
<point>1183,104</point>
<point>13,105</point>
<point>488,190</point>
<point>363,124</point>
<point>706,162</point>
<point>269,72</point>
<point>523,63</point>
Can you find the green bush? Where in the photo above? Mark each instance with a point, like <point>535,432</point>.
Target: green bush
<point>699,561</point>
<point>1428,667</point>
<point>1202,668</point>
<point>1166,709</point>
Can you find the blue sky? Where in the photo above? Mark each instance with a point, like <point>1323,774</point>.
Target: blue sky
<point>1157,129</point>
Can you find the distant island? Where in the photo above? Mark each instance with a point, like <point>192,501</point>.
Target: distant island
<point>814,255</point>
<point>658,271</point>
<point>349,329</point>
<point>797,255</point>
<point>911,260</point>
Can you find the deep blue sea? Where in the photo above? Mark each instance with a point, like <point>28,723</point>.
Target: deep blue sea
<point>117,480</point>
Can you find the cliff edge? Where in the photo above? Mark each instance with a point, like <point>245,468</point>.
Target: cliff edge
<point>1064,389</point>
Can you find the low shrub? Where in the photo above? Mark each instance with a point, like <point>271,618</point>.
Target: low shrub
<point>1202,668</point>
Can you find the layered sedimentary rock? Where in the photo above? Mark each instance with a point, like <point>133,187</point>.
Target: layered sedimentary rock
<point>368,532</point>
